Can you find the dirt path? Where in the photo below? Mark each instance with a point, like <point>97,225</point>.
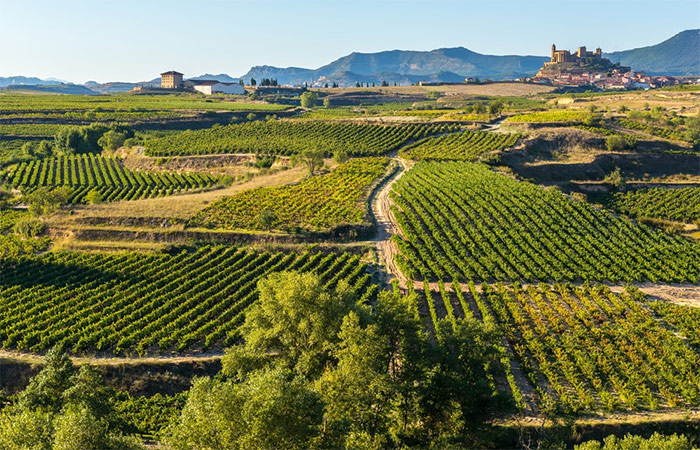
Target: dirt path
<point>386,224</point>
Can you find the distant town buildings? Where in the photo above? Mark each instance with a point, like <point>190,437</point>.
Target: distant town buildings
<point>584,68</point>
<point>171,80</point>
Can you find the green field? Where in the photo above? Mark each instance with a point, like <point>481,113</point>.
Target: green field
<point>586,348</point>
<point>291,137</point>
<point>461,220</point>
<point>318,202</point>
<point>89,172</point>
<point>147,303</point>
<point>465,146</point>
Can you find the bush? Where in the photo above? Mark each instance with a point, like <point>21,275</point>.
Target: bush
<point>93,197</point>
<point>309,99</point>
<point>45,201</point>
<point>29,227</point>
<point>620,143</point>
<point>655,442</point>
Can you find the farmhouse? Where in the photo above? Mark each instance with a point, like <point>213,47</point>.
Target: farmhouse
<point>209,87</point>
<point>171,80</point>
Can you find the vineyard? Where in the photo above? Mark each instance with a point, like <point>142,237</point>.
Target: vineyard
<point>467,146</point>
<point>665,133</point>
<point>317,202</point>
<point>88,172</point>
<point>463,221</point>
<point>551,117</point>
<point>291,137</point>
<point>682,204</point>
<point>142,303</point>
<point>39,103</point>
<point>583,348</point>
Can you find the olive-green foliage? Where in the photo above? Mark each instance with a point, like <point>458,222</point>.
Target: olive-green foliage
<point>29,227</point>
<point>91,138</point>
<point>633,442</point>
<point>617,142</point>
<point>63,408</point>
<point>309,99</point>
<point>319,369</point>
<point>45,200</point>
<point>93,197</point>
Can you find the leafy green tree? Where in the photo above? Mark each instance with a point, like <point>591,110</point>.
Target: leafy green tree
<point>29,227</point>
<point>340,156</point>
<point>93,197</point>
<point>63,408</point>
<point>496,107</point>
<point>270,409</point>
<point>309,99</point>
<point>296,320</point>
<point>327,102</point>
<point>44,200</point>
<point>311,158</point>
<point>112,140</point>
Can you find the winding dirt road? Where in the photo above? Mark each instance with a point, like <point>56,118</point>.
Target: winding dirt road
<point>386,224</point>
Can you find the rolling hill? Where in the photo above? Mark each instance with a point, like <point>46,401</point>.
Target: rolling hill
<point>677,56</point>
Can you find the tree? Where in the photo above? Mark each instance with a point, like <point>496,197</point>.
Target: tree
<point>267,219</point>
<point>112,140</point>
<point>384,83</point>
<point>253,82</point>
<point>495,107</point>
<point>311,158</point>
<point>44,201</point>
<point>270,409</point>
<point>309,99</point>
<point>327,102</point>
<point>340,156</point>
<point>296,320</point>
<point>29,227</point>
<point>64,408</point>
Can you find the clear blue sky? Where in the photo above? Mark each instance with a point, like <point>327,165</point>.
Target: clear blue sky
<point>125,40</point>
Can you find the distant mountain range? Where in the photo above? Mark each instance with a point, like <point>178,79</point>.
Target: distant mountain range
<point>677,56</point>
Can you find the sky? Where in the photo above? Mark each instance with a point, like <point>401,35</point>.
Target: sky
<point>127,40</point>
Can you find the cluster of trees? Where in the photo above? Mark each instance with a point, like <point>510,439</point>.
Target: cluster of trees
<point>87,139</point>
<point>65,408</point>
<point>263,82</point>
<point>319,369</point>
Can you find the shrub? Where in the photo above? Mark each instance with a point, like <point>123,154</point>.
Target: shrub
<point>29,227</point>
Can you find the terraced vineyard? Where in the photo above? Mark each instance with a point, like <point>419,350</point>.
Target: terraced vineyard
<point>463,221</point>
<point>563,116</point>
<point>584,348</point>
<point>466,146</point>
<point>144,303</point>
<point>315,203</point>
<point>682,204</point>
<point>291,137</point>
<point>89,172</point>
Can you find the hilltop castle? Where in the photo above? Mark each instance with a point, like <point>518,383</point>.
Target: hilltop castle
<point>581,56</point>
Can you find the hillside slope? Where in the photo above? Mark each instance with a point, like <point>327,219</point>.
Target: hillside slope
<point>679,55</point>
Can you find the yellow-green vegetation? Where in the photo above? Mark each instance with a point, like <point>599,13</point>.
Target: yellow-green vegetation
<point>131,302</point>
<point>552,116</point>
<point>464,221</point>
<point>678,204</point>
<point>467,146</point>
<point>126,103</point>
<point>292,137</point>
<point>96,178</point>
<point>318,202</point>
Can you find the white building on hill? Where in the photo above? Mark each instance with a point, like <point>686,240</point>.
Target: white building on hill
<point>209,87</point>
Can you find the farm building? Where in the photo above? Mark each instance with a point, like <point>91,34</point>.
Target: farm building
<point>209,87</point>
<point>171,80</point>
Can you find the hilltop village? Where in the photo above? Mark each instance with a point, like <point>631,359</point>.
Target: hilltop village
<point>585,68</point>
